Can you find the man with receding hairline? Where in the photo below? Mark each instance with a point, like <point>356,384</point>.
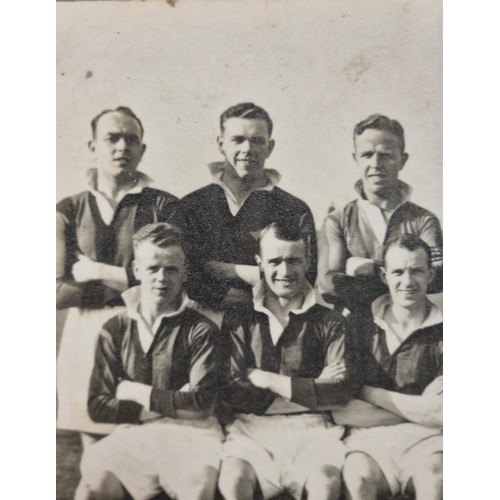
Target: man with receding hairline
<point>225,218</point>
<point>350,253</point>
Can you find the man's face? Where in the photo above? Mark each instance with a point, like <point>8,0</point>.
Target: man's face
<point>284,264</point>
<point>379,158</point>
<point>246,145</point>
<point>407,274</point>
<point>117,146</point>
<point>161,272</point>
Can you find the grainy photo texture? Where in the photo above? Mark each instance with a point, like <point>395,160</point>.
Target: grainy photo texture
<point>249,249</point>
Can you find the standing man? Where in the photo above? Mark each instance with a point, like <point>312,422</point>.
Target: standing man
<point>226,217</point>
<point>396,444</point>
<point>351,254</point>
<point>286,356</point>
<point>95,253</point>
<point>155,365</point>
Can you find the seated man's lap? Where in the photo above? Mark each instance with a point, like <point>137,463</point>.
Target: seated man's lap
<point>151,457</point>
<point>283,450</point>
<point>396,449</point>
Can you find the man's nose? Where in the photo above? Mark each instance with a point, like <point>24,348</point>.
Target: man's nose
<point>283,268</point>
<point>406,278</point>
<point>161,275</point>
<point>245,145</point>
<point>121,144</point>
<point>376,161</point>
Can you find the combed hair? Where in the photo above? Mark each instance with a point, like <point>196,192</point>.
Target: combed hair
<point>247,110</point>
<point>287,229</point>
<point>410,242</point>
<point>381,122</point>
<point>161,234</point>
<point>120,109</point>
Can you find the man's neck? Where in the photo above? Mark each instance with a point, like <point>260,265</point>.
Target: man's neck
<point>152,310</point>
<point>408,320</point>
<point>242,187</point>
<point>388,199</point>
<point>113,186</point>
<point>280,306</point>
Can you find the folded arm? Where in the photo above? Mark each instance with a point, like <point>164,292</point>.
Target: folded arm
<point>360,413</point>
<point>426,409</point>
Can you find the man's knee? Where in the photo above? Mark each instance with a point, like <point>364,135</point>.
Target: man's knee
<point>100,486</point>
<point>324,482</point>
<point>237,479</point>
<point>426,476</point>
<point>363,477</point>
<point>199,485</point>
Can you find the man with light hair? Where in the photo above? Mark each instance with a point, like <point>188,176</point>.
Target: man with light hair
<point>156,365</point>
<point>395,444</point>
<point>354,236</point>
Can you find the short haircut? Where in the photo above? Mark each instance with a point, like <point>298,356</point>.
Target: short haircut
<point>381,122</point>
<point>410,242</point>
<point>119,109</point>
<point>287,229</point>
<point>161,234</point>
<point>247,110</point>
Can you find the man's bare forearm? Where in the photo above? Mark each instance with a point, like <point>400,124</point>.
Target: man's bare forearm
<point>360,413</point>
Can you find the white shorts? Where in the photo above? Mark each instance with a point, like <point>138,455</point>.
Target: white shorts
<point>162,455</point>
<point>283,449</point>
<point>74,367</point>
<point>397,449</point>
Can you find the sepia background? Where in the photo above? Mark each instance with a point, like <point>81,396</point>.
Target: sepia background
<point>318,67</point>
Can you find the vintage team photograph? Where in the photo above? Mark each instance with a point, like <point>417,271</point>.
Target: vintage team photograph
<point>249,231</point>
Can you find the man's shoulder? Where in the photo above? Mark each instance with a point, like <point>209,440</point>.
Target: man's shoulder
<point>116,327</point>
<point>196,320</point>
<point>287,199</point>
<point>158,194</point>
<point>413,210</point>
<point>206,192</point>
<point>72,202</point>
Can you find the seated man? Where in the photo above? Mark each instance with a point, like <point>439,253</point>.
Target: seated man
<point>395,444</point>
<point>226,217</point>
<point>155,365</point>
<point>286,356</point>
<point>350,254</point>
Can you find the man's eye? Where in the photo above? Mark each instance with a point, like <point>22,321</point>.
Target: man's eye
<point>131,140</point>
<point>258,140</point>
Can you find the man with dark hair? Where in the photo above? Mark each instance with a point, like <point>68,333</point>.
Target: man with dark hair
<point>351,252</point>
<point>95,254</point>
<point>225,218</point>
<point>155,364</point>
<point>395,444</point>
<point>286,356</point>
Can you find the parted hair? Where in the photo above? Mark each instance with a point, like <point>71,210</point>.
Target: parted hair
<point>161,234</point>
<point>247,110</point>
<point>120,109</point>
<point>410,242</point>
<point>381,122</point>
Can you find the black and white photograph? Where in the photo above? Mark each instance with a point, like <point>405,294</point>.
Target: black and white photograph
<point>249,249</point>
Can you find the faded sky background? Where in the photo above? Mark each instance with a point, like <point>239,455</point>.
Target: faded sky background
<point>317,67</point>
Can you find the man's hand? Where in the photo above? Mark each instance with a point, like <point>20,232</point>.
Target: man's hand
<point>146,415</point>
<point>334,372</point>
<point>279,384</point>
<point>134,391</point>
<point>259,378</point>
<point>85,269</point>
<point>435,388</point>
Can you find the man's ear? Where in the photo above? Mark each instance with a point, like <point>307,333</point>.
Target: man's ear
<point>404,159</point>
<point>381,273</point>
<point>135,268</point>
<point>143,150</point>
<point>220,143</point>
<point>91,145</point>
<point>270,147</point>
<point>432,271</point>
